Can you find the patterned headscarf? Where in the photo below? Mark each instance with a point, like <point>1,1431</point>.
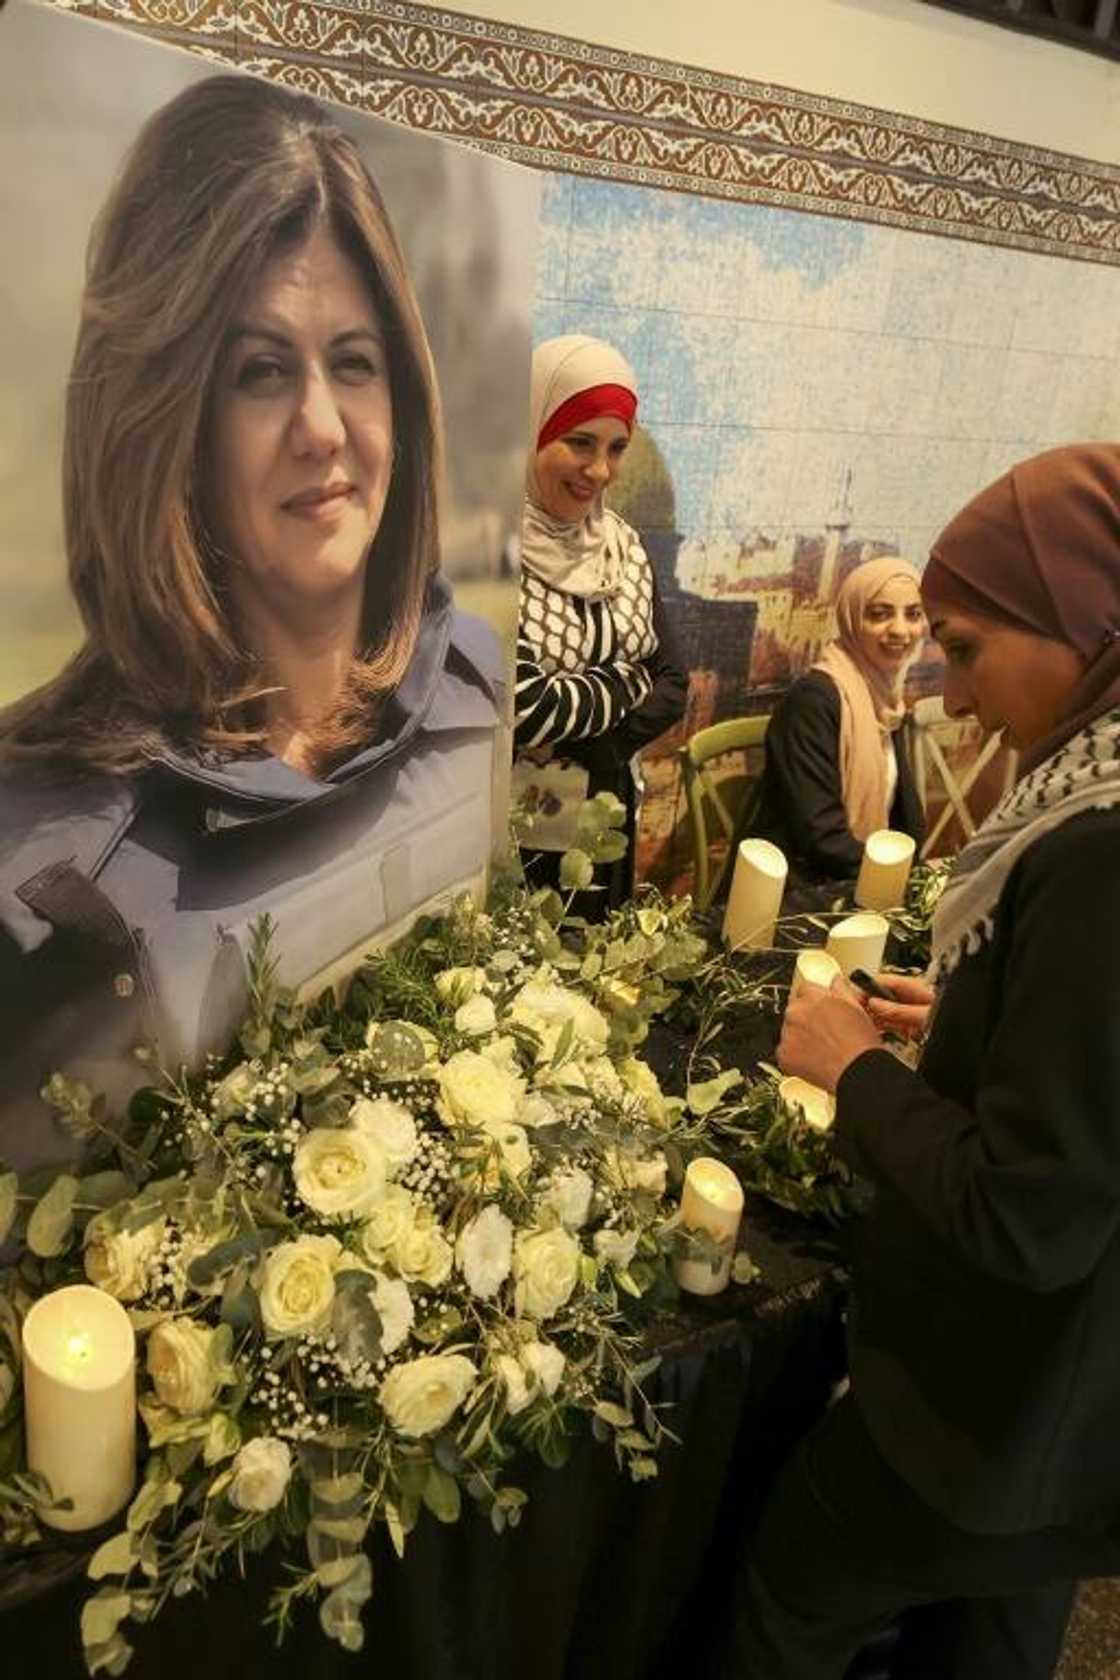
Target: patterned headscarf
<point>575,379</point>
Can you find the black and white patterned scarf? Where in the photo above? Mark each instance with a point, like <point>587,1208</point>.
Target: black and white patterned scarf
<point>1083,775</point>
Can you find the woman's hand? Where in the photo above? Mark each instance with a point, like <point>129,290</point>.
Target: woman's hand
<point>823,1032</point>
<point>908,1011</point>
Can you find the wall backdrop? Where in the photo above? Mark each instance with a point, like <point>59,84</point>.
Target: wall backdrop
<point>844,319</point>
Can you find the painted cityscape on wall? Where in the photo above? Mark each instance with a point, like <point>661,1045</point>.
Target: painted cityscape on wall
<point>814,392</point>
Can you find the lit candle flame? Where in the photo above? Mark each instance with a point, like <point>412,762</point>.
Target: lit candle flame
<point>78,1347</point>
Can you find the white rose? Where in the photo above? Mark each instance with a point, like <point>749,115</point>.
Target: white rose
<point>545,1365</point>
<point>631,1172</point>
<point>602,1078</point>
<point>119,1261</point>
<point>513,1377</point>
<point>570,1194</point>
<point>556,1005</point>
<point>536,1111</point>
<point>261,1473</point>
<point>339,1172</point>
<point>616,1247</point>
<point>388,1222</point>
<point>296,1285</point>
<point>516,1156</point>
<point>638,1077</point>
<point>474,1092</point>
<point>394,1309</point>
<point>390,1125</point>
<point>456,985</point>
<point>502,1051</point>
<point>476,1017</point>
<point>182,1367</point>
<point>235,1091</point>
<point>423,1254</point>
<point>546,1270</point>
<point>485,1251</point>
<point>421,1396</point>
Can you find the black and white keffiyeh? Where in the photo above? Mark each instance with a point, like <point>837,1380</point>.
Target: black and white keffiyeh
<point>1083,775</point>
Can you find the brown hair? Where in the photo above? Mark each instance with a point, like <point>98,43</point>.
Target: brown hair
<point>219,180</point>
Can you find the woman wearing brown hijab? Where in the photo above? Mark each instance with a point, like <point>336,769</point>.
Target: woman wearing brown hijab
<point>972,1473</point>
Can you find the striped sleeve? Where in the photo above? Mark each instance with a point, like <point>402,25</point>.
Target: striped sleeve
<point>572,706</point>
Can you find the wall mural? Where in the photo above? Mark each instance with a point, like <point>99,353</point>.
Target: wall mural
<point>813,393</point>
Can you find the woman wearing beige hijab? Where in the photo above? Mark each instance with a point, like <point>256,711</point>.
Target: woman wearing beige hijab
<point>836,766</point>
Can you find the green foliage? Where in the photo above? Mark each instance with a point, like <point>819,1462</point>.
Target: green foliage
<point>912,926</point>
<point>191,1193</point>
<point>779,1155</point>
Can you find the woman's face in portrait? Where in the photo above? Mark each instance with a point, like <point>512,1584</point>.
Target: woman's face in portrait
<point>1017,685</point>
<point>893,625</point>
<point>301,442</point>
<point>572,470</point>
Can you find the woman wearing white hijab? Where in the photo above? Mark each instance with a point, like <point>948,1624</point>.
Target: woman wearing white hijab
<point>836,767</point>
<point>597,677</point>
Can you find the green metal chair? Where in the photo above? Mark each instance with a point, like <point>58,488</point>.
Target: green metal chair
<point>702,791</point>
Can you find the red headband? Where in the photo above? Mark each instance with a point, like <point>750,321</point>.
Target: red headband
<point>592,404</point>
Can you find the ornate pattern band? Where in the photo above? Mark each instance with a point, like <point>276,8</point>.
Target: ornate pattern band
<point>557,103</point>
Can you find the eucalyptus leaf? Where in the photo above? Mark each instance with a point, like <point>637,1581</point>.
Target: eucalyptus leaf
<point>349,1529</point>
<point>206,1268</point>
<point>52,1220</point>
<point>340,1617</point>
<point>9,1193</point>
<point>397,1533</point>
<point>112,1557</point>
<point>442,1495</point>
<point>707,1095</point>
<point>104,1189</point>
<point>576,871</point>
<point>355,1321</point>
<point>336,1490</point>
<point>102,1614</point>
<point>617,1416</point>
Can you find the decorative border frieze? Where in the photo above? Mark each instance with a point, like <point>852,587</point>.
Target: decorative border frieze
<point>562,104</point>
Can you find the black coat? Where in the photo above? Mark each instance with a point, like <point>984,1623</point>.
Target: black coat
<point>799,804</point>
<point>985,1336</point>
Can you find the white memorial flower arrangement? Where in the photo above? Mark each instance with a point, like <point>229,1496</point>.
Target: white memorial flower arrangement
<point>370,1254</point>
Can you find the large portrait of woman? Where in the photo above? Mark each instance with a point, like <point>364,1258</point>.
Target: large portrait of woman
<point>272,701</point>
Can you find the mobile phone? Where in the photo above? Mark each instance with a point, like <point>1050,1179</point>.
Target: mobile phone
<point>860,977</point>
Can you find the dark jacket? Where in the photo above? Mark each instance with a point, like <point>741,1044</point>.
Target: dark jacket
<point>799,803</point>
<point>126,903</point>
<point>985,1332</point>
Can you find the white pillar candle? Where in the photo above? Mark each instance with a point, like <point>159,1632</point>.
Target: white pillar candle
<point>79,1393</point>
<point>859,942</point>
<point>885,869</point>
<point>814,968</point>
<point>818,1108</point>
<point>756,895</point>
<point>712,1201</point>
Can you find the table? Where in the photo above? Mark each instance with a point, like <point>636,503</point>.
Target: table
<point>604,1580</point>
